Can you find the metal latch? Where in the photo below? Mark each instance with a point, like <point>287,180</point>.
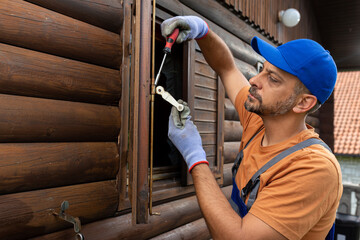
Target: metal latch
<point>68,218</point>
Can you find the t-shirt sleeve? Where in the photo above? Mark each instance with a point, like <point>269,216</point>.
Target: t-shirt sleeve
<point>250,122</point>
<point>295,199</point>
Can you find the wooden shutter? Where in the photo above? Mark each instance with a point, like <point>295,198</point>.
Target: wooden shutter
<point>205,95</point>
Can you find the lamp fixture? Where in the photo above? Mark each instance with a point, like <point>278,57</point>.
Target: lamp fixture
<point>289,17</point>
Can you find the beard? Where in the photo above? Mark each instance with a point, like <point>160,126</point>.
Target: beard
<point>278,108</point>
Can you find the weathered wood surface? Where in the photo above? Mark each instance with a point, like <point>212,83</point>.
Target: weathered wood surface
<point>31,166</point>
<point>30,73</point>
<point>231,149</point>
<point>27,25</point>
<point>246,69</point>
<point>228,174</point>
<point>224,18</point>
<point>194,230</point>
<point>29,214</point>
<point>107,14</point>
<point>173,214</point>
<point>26,119</point>
<point>239,48</point>
<point>230,111</point>
<point>124,140</point>
<point>143,8</point>
<point>232,131</point>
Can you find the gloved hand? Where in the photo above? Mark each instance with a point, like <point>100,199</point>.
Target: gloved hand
<point>179,118</point>
<point>191,27</point>
<point>186,139</point>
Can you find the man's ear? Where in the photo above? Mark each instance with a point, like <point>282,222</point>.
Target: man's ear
<point>305,103</point>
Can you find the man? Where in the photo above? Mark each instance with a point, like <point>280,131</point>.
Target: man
<point>297,197</point>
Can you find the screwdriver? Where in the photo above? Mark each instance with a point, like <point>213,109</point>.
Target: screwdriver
<point>167,50</point>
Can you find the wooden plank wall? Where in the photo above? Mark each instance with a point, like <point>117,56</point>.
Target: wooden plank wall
<point>60,89</point>
<point>263,16</point>
<point>205,105</point>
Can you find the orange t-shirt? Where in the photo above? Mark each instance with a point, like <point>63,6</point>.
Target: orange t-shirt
<point>299,195</point>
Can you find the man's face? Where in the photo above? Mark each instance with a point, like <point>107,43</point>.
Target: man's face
<point>271,92</point>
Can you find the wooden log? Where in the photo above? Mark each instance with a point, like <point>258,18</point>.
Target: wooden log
<point>29,214</point>
<point>224,18</point>
<point>246,69</point>
<point>232,131</point>
<point>230,111</point>
<point>227,174</point>
<point>26,119</point>
<point>31,166</point>
<point>173,214</point>
<point>26,25</point>
<point>107,14</point>
<point>194,230</point>
<point>231,149</point>
<point>30,73</point>
<point>239,48</point>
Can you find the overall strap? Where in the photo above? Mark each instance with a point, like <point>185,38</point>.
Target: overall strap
<point>252,186</point>
<point>240,156</point>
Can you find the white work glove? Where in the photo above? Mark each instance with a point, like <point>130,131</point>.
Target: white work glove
<point>186,138</point>
<point>191,27</point>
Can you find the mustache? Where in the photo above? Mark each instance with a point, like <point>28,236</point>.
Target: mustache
<point>253,92</point>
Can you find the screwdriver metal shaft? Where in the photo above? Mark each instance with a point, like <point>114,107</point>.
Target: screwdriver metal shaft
<point>169,43</point>
<point>161,66</point>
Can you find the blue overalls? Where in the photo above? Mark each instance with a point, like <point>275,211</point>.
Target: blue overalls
<point>237,200</point>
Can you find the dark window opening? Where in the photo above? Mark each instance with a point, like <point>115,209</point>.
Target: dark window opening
<point>165,153</point>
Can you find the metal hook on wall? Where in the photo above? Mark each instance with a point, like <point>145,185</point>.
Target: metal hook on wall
<point>68,218</point>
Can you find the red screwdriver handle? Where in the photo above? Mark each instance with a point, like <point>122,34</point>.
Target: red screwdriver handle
<point>171,40</point>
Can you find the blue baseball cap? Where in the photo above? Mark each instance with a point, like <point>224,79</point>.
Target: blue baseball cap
<point>304,58</point>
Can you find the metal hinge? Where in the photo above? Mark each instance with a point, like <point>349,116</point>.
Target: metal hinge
<point>74,220</point>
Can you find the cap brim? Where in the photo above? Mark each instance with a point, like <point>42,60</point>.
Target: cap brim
<point>271,54</point>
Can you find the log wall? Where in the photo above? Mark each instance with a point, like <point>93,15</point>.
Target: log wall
<point>173,215</point>
<point>60,88</point>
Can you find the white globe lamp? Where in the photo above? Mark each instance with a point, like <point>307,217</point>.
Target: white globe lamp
<point>289,17</point>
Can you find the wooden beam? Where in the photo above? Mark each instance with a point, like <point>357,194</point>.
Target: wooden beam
<point>31,166</point>
<point>31,73</point>
<point>228,174</point>
<point>238,47</point>
<point>107,14</point>
<point>232,131</point>
<point>248,70</point>
<point>230,111</point>
<point>30,214</point>
<point>26,119</point>
<point>29,26</point>
<point>194,230</point>
<point>231,149</point>
<point>144,105</point>
<point>173,214</point>
<point>224,18</point>
<point>124,141</point>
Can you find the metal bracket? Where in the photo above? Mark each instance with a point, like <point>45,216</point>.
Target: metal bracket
<point>68,218</point>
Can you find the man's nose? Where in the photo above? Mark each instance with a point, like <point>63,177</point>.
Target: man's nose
<point>256,80</point>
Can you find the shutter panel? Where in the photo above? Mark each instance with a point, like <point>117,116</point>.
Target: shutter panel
<point>205,95</point>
